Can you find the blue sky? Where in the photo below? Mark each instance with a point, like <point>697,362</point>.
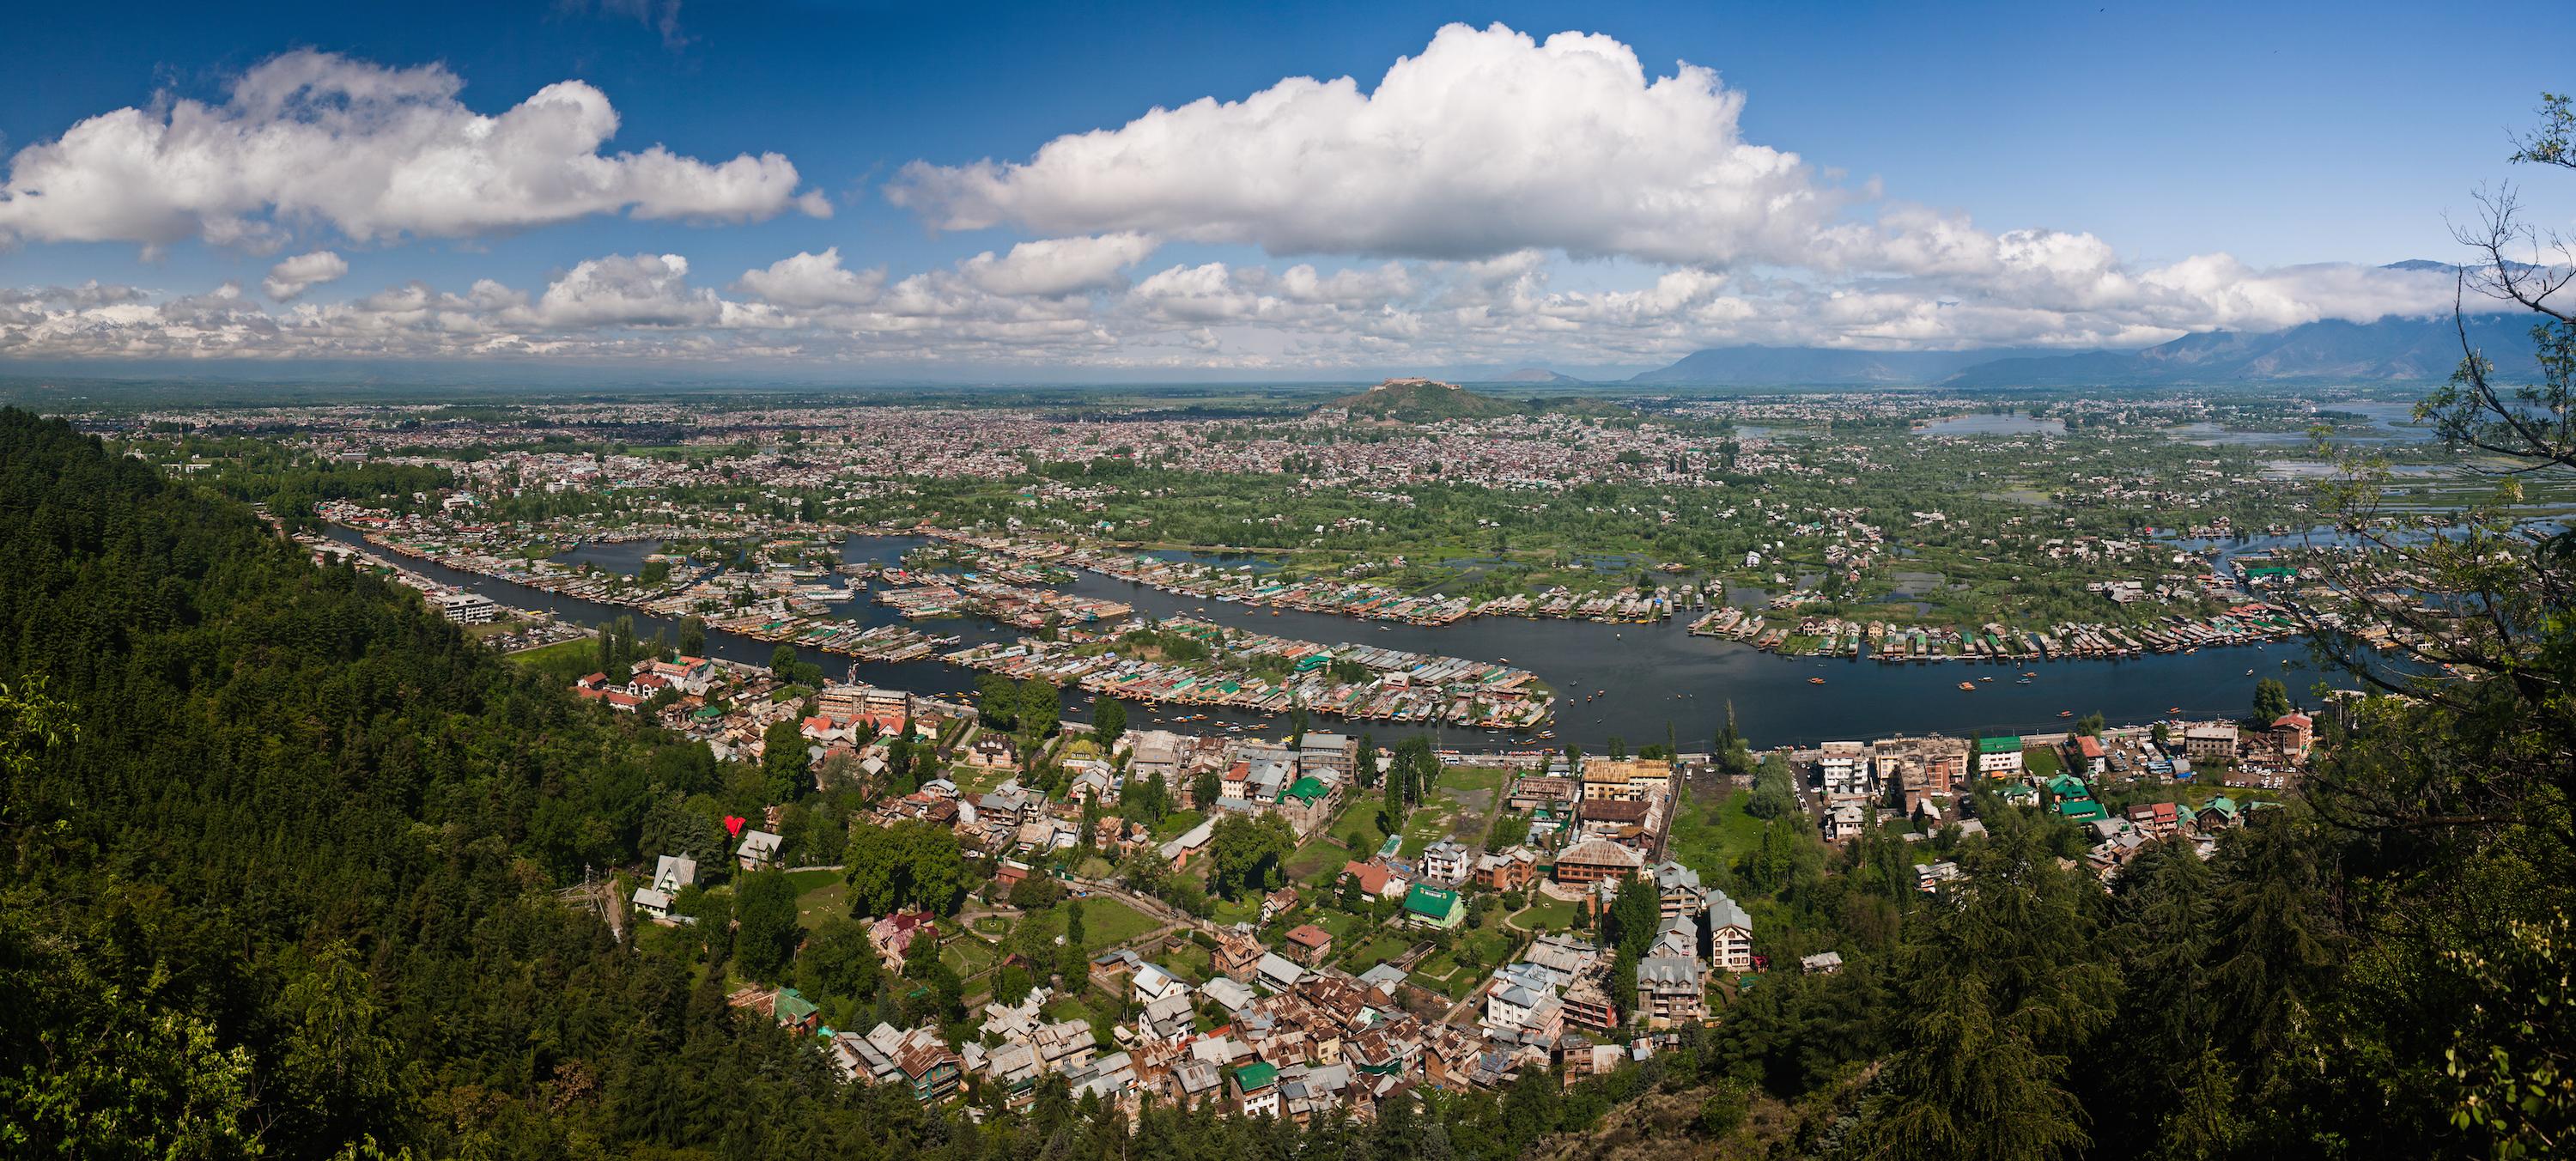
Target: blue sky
<point>2294,135</point>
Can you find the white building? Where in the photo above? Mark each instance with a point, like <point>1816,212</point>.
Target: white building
<point>1846,769</point>
<point>465,608</point>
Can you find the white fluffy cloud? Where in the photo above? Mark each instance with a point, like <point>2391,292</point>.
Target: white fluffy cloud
<point>638,290</point>
<point>373,152</point>
<point>811,280</point>
<point>1209,314</point>
<point>1058,266</point>
<point>1442,205</point>
<point>293,277</point>
<point>1486,143</point>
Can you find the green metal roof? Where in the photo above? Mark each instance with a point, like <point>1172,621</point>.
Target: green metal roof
<point>2002,745</point>
<point>1430,902</point>
<point>1255,1075</point>
<point>1307,789</point>
<point>791,1005</point>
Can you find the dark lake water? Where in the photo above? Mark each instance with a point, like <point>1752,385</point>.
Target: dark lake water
<point>626,557</point>
<point>1650,677</point>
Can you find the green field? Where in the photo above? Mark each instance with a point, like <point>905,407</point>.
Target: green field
<point>820,895</point>
<point>1461,807</point>
<point>568,660</point>
<point>1106,922</point>
<point>1318,862</point>
<point>1711,845</point>
<point>1384,946</point>
<point>966,957</point>
<point>1547,914</point>
<point>1191,962</point>
<point>2041,762</point>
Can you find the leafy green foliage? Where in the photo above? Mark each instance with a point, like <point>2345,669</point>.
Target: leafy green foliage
<point>909,864</point>
<point>766,936</point>
<point>1248,853</point>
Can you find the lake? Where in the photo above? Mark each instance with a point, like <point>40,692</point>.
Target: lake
<point>1649,676</point>
<point>622,557</point>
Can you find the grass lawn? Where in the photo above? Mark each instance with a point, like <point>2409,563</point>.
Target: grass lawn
<point>966,957</point>
<point>2041,762</point>
<point>1440,975</point>
<point>1709,844</point>
<point>978,779</point>
<point>1319,861</point>
<point>1385,946</point>
<point>1106,922</point>
<point>1548,914</point>
<point>1470,779</point>
<point>1190,960</point>
<point>820,895</point>
<point>567,660</point>
<point>1342,924</point>
<point>1228,912</point>
<point>1176,824</point>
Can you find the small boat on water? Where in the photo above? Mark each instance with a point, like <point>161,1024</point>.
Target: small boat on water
<point>2173,709</point>
<point>2023,681</point>
<point>1969,686</point>
<point>2066,713</point>
<point>1815,681</point>
<point>1985,679</point>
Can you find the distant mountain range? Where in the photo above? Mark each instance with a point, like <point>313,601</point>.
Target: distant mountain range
<point>1539,375</point>
<point>2390,350</point>
<point>1788,366</point>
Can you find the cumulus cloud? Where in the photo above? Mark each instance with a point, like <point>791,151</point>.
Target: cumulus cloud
<point>1058,266</point>
<point>373,152</point>
<point>628,290</point>
<point>293,277</point>
<point>1486,143</point>
<point>1439,206</point>
<point>1212,314</point>
<point>809,280</point>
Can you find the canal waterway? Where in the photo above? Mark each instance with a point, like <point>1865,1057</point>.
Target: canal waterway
<point>1628,681</point>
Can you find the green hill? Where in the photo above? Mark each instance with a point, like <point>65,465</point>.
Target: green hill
<point>1430,400</point>
<point>1425,400</point>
